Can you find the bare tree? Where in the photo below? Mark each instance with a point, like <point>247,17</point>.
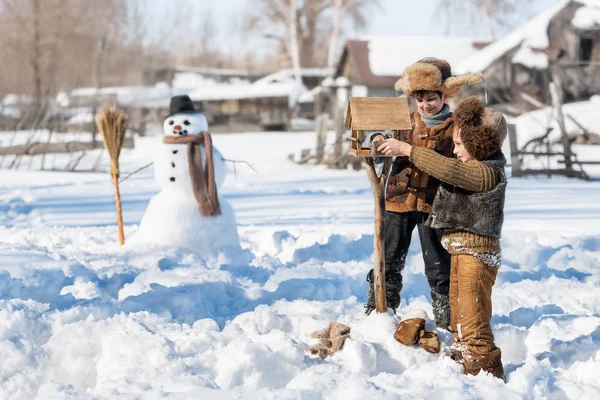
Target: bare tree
<point>294,50</point>
<point>315,19</point>
<point>495,13</point>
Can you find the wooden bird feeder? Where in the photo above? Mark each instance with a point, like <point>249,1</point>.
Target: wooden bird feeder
<point>376,114</point>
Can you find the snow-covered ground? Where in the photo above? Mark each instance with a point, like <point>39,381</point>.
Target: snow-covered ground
<point>83,318</point>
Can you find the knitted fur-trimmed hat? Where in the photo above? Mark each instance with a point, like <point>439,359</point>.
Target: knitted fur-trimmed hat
<point>434,75</point>
<point>482,130</point>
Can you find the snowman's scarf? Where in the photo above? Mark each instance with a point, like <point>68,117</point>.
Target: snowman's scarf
<point>203,181</point>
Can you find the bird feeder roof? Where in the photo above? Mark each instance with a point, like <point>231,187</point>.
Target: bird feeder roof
<point>378,113</point>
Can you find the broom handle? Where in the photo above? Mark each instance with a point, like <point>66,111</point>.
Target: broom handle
<point>119,212</point>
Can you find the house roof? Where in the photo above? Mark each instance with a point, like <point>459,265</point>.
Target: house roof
<point>532,37</point>
<point>279,84</point>
<point>358,52</point>
<point>380,60</point>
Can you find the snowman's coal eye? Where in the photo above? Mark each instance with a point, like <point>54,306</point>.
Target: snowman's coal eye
<point>186,122</point>
<point>171,122</point>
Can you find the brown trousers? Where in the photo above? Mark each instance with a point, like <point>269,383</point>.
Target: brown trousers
<point>471,283</point>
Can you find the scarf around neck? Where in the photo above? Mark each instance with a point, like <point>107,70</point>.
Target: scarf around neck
<point>203,181</point>
<point>434,120</point>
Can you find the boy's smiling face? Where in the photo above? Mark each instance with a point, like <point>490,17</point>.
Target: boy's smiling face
<point>430,103</point>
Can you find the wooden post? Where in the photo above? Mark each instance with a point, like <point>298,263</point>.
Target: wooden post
<point>378,185</point>
<point>515,161</point>
<point>557,100</point>
<point>322,127</point>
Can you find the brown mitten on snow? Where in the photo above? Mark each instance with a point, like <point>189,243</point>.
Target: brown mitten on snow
<point>409,328</point>
<point>338,330</point>
<point>323,333</point>
<point>332,339</point>
<point>321,350</point>
<point>429,341</point>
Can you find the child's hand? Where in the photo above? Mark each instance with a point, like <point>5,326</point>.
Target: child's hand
<point>394,147</point>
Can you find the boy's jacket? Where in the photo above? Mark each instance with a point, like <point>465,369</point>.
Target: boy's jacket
<point>408,188</point>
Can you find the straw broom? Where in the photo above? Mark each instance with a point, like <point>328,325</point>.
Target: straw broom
<point>112,123</point>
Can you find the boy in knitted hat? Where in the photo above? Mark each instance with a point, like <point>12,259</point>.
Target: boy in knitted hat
<point>410,191</point>
<point>469,207</point>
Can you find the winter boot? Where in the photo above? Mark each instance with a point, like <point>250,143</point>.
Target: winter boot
<point>392,292</point>
<point>441,310</point>
<point>456,352</point>
<point>370,304</point>
<point>490,362</point>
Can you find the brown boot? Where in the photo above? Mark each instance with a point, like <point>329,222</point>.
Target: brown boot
<point>456,353</point>
<point>491,362</point>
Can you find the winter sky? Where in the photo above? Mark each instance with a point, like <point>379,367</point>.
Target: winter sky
<point>392,17</point>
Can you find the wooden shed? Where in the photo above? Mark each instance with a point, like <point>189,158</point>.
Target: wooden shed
<point>373,114</point>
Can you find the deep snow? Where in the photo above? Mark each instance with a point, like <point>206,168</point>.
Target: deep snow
<point>81,317</point>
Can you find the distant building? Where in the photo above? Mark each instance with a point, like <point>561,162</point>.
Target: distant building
<point>192,76</point>
<point>373,65</point>
<point>564,40</point>
<point>266,104</point>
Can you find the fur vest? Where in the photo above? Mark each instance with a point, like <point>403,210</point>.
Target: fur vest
<point>481,213</point>
<point>408,188</point>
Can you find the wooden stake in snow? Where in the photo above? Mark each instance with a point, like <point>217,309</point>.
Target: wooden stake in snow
<point>112,123</point>
<point>374,114</point>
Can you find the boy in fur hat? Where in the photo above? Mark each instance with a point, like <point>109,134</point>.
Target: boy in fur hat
<point>410,191</point>
<point>469,207</point>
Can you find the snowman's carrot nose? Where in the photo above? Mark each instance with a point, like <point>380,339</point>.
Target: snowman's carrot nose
<point>177,128</point>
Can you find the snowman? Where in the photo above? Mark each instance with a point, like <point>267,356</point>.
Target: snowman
<point>188,211</point>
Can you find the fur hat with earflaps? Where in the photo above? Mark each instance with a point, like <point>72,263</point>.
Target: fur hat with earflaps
<point>434,75</point>
<point>482,129</point>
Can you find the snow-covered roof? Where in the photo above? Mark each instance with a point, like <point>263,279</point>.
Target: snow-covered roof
<point>390,55</point>
<point>192,80</point>
<point>16,99</point>
<point>532,35</point>
<point>279,84</point>
<point>318,72</point>
<point>157,95</point>
<point>213,71</point>
<point>309,96</point>
<point>587,16</point>
<point>535,123</point>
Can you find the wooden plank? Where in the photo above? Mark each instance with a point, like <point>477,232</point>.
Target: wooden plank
<point>539,153</point>
<point>348,122</point>
<point>581,162</point>
<point>360,153</point>
<point>378,113</point>
<point>378,185</point>
<point>514,149</point>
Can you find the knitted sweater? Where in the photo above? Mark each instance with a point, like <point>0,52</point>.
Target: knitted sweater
<point>474,187</point>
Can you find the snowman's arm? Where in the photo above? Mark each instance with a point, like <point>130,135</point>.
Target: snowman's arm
<point>135,172</point>
<point>241,161</point>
